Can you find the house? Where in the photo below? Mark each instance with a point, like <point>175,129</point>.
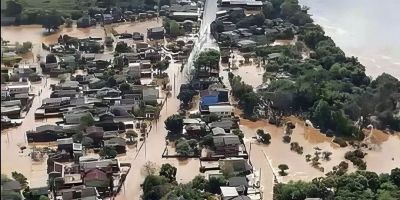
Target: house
<point>96,133</point>
<point>235,166</point>
<point>11,185</point>
<point>64,93</point>
<point>231,35</point>
<point>65,144</point>
<point>137,36</point>
<point>85,22</point>
<point>182,16</point>
<point>75,117</point>
<point>223,111</point>
<point>212,97</point>
<point>25,98</point>
<point>118,143</point>
<point>247,4</point>
<point>6,21</point>
<point>108,18</point>
<point>79,193</point>
<point>240,183</point>
<point>97,178</point>
<point>228,193</point>
<point>152,55</point>
<point>11,109</point>
<point>245,44</point>
<point>46,133</point>
<point>18,88</point>
<point>226,124</point>
<point>49,66</point>
<point>227,144</point>
<point>24,72</point>
<point>106,165</point>
<point>134,70</point>
<point>68,85</point>
<point>156,33</point>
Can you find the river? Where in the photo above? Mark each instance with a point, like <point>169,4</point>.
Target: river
<point>367,29</point>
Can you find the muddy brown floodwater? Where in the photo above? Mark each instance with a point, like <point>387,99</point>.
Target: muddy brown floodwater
<point>155,144</point>
<point>379,158</point>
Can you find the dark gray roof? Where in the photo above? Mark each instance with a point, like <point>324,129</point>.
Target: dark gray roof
<point>65,141</point>
<point>48,127</point>
<point>11,103</point>
<point>117,141</point>
<point>11,185</point>
<point>229,139</point>
<point>157,29</point>
<point>238,181</point>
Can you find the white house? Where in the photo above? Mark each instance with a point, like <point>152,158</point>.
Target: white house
<point>18,87</point>
<point>221,110</point>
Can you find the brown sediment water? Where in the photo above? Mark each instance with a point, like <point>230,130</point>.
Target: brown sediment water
<point>12,139</point>
<point>384,150</point>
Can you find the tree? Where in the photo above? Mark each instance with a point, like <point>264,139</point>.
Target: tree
<point>214,184</point>
<point>264,137</point>
<point>174,123</point>
<point>155,187</point>
<point>122,47</point>
<point>395,176</point>
<point>168,171</point>
<point>43,198</point>
<point>183,148</point>
<point>239,133</point>
<point>326,155</point>
<point>268,9</point>
<point>87,120</point>
<point>186,96</point>
<point>199,182</point>
<point>20,178</point>
<point>13,8</point>
<point>68,23</point>
<point>174,29</point>
<point>108,152</point>
<point>131,134</point>
<point>124,87</point>
<point>150,168</point>
<point>283,167</point>
<point>4,78</point>
<point>51,20</point>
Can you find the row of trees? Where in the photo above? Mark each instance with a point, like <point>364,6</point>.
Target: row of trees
<point>248,99</point>
<point>329,88</point>
<point>358,185</point>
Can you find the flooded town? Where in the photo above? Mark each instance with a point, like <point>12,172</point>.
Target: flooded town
<point>189,99</point>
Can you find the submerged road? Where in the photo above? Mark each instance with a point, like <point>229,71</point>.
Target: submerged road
<point>155,142</point>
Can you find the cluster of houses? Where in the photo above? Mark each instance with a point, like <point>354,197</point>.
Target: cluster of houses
<point>226,154</point>
<point>16,98</point>
<point>226,28</point>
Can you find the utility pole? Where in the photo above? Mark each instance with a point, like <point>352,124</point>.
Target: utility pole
<point>174,84</point>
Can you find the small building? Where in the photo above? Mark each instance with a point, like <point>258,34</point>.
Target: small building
<point>118,143</point>
<point>137,36</point>
<point>134,70</point>
<point>46,133</point>
<point>223,111</point>
<point>156,33</point>
<point>182,16</point>
<point>108,18</point>
<point>235,166</point>
<point>18,87</point>
<point>227,145</point>
<point>97,178</point>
